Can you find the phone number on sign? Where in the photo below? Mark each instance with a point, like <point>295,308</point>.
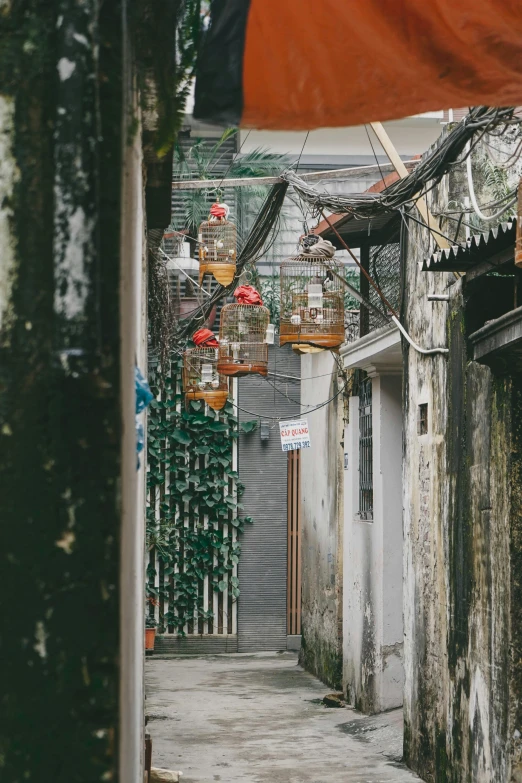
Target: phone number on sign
<point>299,444</point>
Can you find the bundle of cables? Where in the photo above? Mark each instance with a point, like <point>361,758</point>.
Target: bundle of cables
<point>425,176</point>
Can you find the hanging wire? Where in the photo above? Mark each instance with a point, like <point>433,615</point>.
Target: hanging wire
<point>374,154</point>
<point>234,158</point>
<point>253,247</point>
<point>302,150</point>
<point>426,175</point>
<point>292,416</point>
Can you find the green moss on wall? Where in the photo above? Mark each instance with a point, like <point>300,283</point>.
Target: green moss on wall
<point>322,659</point>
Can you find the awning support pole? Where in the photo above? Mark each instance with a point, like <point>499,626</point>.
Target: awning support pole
<point>402,171</point>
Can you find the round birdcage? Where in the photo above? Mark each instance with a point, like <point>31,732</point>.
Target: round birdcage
<point>201,379</point>
<point>242,340</point>
<point>217,242</point>
<point>312,302</point>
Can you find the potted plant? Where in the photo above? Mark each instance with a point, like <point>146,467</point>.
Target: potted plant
<point>150,632</point>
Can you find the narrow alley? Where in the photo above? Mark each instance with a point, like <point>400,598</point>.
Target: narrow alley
<point>260,719</point>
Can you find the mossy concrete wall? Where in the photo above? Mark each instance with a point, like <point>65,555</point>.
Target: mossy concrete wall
<point>60,419</point>
<point>322,514</point>
<point>462,542</point>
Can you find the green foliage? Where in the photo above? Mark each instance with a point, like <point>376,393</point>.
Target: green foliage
<point>167,37</point>
<point>496,187</point>
<point>194,448</point>
<point>203,162</point>
<point>352,276</point>
<point>270,289</point>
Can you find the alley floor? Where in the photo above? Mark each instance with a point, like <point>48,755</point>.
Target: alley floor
<point>260,719</point>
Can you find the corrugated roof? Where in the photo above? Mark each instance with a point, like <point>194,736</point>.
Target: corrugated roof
<point>479,247</point>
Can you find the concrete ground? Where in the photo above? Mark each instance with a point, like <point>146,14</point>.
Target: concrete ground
<point>259,719</point>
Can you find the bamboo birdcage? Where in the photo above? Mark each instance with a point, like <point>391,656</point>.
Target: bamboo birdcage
<point>312,302</point>
<point>201,379</point>
<point>242,340</point>
<point>217,242</point>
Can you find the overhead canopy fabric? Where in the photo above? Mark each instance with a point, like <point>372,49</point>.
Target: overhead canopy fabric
<point>302,64</point>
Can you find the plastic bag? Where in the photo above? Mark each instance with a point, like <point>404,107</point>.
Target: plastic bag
<point>144,397</point>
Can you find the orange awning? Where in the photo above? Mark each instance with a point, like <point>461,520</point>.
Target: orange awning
<point>302,64</point>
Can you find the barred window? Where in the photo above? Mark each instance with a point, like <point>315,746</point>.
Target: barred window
<point>423,418</point>
<point>365,451</point>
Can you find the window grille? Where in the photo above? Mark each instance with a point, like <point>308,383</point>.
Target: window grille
<point>423,418</point>
<point>365,450</point>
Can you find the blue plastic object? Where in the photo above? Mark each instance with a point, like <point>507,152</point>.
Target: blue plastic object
<point>144,397</point>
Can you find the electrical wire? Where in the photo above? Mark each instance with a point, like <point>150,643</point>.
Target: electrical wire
<point>254,245</point>
<point>302,150</point>
<point>234,157</point>
<point>284,418</point>
<point>375,154</point>
<point>426,175</point>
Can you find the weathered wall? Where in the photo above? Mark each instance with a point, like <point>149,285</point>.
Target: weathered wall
<point>458,481</point>
<point>60,414</point>
<point>322,510</point>
<point>372,592</point>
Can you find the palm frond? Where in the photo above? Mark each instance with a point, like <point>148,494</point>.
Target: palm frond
<point>259,163</point>
<point>195,209</point>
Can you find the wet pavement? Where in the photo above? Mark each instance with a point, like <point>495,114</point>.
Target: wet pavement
<point>260,719</point>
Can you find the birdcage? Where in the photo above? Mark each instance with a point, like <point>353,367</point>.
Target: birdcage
<point>201,379</point>
<point>243,346</point>
<point>217,242</point>
<point>312,302</point>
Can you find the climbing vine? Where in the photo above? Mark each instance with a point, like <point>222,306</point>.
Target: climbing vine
<point>193,512</point>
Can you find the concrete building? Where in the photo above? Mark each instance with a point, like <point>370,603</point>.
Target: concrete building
<point>462,516</point>
<point>430,526</point>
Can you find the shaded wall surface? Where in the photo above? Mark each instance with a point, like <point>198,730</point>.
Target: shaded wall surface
<point>372,593</point>
<point>60,408</point>
<point>321,549</point>
<point>263,471</point>
<point>462,545</point>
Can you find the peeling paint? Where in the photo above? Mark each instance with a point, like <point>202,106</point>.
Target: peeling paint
<point>66,542</point>
<point>9,176</point>
<point>322,520</point>
<point>66,68</point>
<point>457,517</point>
<point>73,232</point>
<point>41,637</point>
<point>81,39</point>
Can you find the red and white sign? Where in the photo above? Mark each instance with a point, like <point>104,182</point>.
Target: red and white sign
<point>294,435</point>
